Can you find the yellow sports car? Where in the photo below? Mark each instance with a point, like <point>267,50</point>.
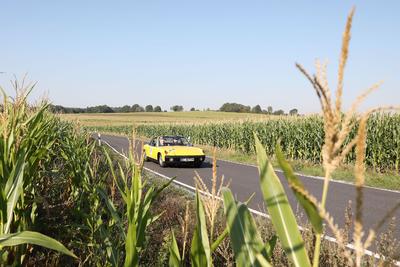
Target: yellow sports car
<point>172,150</point>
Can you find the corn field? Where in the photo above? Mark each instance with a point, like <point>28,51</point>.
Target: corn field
<point>66,201</point>
<point>301,138</point>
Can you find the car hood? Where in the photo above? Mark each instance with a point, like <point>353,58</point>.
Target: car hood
<point>183,151</point>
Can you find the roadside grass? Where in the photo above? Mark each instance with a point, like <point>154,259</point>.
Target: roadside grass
<point>120,119</point>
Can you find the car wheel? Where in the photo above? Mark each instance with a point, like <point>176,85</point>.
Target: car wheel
<point>160,161</point>
<point>198,164</point>
<point>145,158</point>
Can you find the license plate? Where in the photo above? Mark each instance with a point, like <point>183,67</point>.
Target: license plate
<point>187,159</point>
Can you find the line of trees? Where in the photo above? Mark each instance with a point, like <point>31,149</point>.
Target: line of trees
<point>226,107</point>
<point>105,109</point>
<point>236,107</point>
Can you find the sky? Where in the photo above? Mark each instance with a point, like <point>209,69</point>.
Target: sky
<point>197,53</point>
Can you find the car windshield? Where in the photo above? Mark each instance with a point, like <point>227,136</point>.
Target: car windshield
<point>173,141</point>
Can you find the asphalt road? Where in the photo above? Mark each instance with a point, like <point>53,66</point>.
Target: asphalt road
<point>245,181</point>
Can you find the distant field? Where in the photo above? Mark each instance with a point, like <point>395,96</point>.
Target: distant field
<point>118,119</point>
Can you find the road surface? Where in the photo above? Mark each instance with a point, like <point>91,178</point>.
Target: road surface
<point>245,181</point>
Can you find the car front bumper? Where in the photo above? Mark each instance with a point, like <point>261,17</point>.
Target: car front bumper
<point>184,159</point>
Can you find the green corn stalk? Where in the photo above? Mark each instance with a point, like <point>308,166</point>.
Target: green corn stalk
<point>137,205</point>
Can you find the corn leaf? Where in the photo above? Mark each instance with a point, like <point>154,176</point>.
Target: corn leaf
<point>174,255</point>
<point>35,238</point>
<point>200,252</point>
<point>246,240</point>
<point>270,246</point>
<point>14,191</point>
<point>279,209</point>
<point>309,207</point>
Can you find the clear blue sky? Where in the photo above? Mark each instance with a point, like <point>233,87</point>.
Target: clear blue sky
<point>196,53</point>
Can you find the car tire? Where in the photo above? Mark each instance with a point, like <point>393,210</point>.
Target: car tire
<point>198,164</point>
<point>160,161</point>
<point>145,158</point>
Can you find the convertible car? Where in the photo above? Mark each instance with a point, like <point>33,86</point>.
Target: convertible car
<point>168,150</point>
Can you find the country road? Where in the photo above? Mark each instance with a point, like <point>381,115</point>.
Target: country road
<point>245,181</point>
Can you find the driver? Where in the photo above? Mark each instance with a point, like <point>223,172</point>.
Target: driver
<point>161,141</point>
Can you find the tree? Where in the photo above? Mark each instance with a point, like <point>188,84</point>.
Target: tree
<point>293,112</point>
<point>149,108</point>
<point>137,108</point>
<point>269,110</point>
<point>192,109</point>
<point>157,109</point>
<point>99,109</point>
<point>124,109</point>
<point>279,112</point>
<point>234,107</point>
<point>177,108</point>
<point>256,109</point>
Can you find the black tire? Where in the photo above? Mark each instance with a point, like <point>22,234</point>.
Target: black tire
<point>198,164</point>
<point>145,158</point>
<point>160,161</point>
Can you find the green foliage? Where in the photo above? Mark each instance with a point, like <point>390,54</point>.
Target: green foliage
<point>246,240</point>
<point>256,109</point>
<point>27,136</point>
<point>149,108</point>
<point>279,209</point>
<point>279,112</point>
<point>176,108</point>
<point>234,107</point>
<point>200,253</point>
<point>309,207</point>
<point>137,207</point>
<point>29,237</point>
<point>293,112</point>
<point>175,257</point>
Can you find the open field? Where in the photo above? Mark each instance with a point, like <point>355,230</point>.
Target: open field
<point>118,119</point>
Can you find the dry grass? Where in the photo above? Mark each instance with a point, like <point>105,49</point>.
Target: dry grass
<point>211,199</point>
<point>118,119</point>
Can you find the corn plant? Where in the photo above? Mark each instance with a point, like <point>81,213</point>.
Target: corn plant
<point>25,138</point>
<point>137,204</point>
<point>202,247</point>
